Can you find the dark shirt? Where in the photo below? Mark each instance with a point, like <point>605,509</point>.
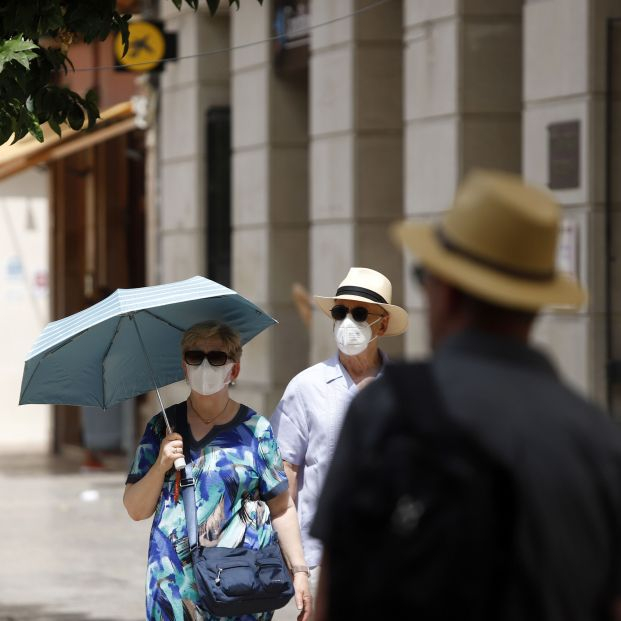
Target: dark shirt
<point>564,456</point>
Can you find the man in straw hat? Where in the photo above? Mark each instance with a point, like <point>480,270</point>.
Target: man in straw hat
<point>510,507</point>
<point>308,418</point>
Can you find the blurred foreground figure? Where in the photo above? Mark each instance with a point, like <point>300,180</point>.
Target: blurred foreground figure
<point>477,485</point>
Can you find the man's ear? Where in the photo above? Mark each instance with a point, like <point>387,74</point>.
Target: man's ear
<point>383,325</point>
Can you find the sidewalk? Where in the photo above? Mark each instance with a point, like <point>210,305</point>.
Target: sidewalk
<point>69,550</point>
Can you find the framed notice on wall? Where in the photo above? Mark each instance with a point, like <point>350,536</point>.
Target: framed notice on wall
<point>564,155</point>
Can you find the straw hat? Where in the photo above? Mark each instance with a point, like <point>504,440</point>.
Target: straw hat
<point>498,243</point>
<point>364,285</point>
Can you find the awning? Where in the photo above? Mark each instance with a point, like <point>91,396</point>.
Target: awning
<point>15,158</point>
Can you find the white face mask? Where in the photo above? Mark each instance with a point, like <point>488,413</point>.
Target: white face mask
<point>353,337</point>
<point>208,380</point>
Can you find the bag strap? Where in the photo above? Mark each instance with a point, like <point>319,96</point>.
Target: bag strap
<point>189,505</point>
<point>188,486</point>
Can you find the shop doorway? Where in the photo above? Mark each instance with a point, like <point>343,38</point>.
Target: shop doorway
<point>97,246</point>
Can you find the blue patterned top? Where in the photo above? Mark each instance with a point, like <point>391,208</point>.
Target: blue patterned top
<point>237,463</point>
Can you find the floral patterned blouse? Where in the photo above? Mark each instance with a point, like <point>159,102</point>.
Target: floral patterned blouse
<point>235,465</point>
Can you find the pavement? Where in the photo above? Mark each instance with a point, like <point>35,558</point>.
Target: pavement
<point>68,550</point>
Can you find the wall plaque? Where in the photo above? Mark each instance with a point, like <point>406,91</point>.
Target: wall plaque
<point>564,155</point>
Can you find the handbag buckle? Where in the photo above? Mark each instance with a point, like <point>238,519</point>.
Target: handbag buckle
<point>186,482</point>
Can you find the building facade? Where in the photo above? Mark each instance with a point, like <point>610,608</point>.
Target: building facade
<point>73,231</point>
<point>295,133</point>
<point>24,290</point>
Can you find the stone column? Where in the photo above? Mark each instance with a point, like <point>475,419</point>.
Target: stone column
<point>188,88</point>
<point>356,150</point>
<point>565,148</point>
<point>270,205</point>
<point>463,97</point>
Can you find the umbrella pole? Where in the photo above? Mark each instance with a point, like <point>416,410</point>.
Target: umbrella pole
<point>180,461</point>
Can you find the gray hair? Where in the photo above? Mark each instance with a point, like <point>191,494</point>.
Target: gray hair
<point>213,329</point>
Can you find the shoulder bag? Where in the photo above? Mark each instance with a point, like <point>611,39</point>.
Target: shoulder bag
<point>235,581</point>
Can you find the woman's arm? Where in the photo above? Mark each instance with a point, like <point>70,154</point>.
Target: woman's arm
<point>140,499</point>
<point>291,470</point>
<point>285,521</point>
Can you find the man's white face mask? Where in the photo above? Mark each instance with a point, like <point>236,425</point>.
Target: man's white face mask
<point>206,379</point>
<point>353,337</point>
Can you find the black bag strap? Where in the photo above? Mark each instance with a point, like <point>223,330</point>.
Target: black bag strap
<point>188,486</point>
<point>189,505</point>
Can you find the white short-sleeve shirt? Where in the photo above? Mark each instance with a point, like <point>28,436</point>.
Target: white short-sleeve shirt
<point>307,423</point>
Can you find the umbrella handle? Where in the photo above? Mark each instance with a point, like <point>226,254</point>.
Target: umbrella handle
<point>180,463</point>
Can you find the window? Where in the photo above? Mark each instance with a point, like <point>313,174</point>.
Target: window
<point>219,195</point>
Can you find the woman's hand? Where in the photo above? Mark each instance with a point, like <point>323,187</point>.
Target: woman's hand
<point>170,449</point>
<point>140,498</point>
<point>285,522</point>
<point>303,597</point>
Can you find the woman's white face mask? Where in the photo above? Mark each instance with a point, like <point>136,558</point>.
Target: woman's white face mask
<point>206,379</point>
<point>353,337</point>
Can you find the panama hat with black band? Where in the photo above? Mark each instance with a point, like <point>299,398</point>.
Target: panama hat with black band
<point>497,243</point>
<point>366,285</point>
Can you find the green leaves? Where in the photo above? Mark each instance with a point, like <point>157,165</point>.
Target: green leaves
<point>120,24</point>
<point>31,91</point>
<point>18,120</point>
<point>52,104</point>
<point>17,50</point>
<point>213,6</point>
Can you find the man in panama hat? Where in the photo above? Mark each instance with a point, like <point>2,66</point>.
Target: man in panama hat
<point>308,418</point>
<point>511,509</point>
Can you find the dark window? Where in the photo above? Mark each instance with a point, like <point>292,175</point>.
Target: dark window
<point>219,195</point>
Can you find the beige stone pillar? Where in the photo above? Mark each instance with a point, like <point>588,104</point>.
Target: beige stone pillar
<point>270,205</point>
<point>188,88</point>
<point>565,90</point>
<point>356,150</point>
<point>463,77</point>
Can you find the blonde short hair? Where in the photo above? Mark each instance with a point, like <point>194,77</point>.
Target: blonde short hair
<point>213,329</point>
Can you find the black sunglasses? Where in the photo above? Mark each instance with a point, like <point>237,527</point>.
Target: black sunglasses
<point>194,357</point>
<point>358,313</point>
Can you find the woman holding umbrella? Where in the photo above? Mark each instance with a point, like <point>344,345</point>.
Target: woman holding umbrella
<point>241,487</point>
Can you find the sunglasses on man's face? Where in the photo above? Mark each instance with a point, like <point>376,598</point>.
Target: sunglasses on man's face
<point>358,313</point>
<point>195,357</point>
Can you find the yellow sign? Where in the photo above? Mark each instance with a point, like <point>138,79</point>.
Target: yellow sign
<point>147,47</point>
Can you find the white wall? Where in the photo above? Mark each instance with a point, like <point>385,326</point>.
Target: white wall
<point>24,304</point>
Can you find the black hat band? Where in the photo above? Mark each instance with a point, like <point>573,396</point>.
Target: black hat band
<point>361,292</point>
<point>524,274</point>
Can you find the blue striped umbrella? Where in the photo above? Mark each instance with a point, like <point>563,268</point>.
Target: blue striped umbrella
<point>129,343</point>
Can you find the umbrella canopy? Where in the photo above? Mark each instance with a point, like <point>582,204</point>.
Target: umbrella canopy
<point>97,356</point>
